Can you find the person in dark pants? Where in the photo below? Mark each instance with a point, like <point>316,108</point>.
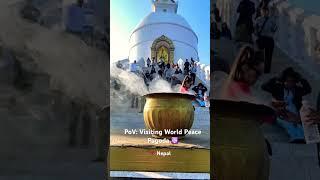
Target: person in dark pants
<point>215,32</point>
<point>265,28</point>
<point>73,124</point>
<point>80,116</point>
<point>148,62</point>
<point>246,9</point>
<point>244,24</point>
<point>186,67</point>
<point>216,13</point>
<point>102,141</point>
<point>225,31</point>
<point>193,72</point>
<point>86,126</point>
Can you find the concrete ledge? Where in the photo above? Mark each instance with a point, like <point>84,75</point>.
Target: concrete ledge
<point>162,175</point>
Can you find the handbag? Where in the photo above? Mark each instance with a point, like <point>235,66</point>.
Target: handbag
<point>260,38</point>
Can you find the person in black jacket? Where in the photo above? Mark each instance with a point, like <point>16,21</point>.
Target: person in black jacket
<point>199,90</point>
<point>225,31</point>
<point>287,92</point>
<point>215,33</point>
<point>246,9</point>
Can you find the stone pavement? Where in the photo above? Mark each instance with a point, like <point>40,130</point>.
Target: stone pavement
<point>160,175</point>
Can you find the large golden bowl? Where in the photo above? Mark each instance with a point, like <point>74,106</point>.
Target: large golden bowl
<point>238,146</point>
<point>168,111</point>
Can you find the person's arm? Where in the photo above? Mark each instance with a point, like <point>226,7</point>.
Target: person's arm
<point>205,89</point>
<point>291,117</point>
<point>269,85</point>
<point>306,88</point>
<point>256,27</point>
<point>195,89</point>
<point>274,26</point>
<point>229,34</point>
<point>313,117</point>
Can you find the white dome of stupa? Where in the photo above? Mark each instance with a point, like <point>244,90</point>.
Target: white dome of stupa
<point>163,34</point>
<point>163,17</point>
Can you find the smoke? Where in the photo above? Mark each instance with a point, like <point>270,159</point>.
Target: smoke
<point>125,84</point>
<point>68,60</point>
<point>133,83</point>
<point>159,85</point>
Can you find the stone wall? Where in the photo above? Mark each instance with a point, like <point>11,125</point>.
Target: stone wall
<point>298,35</point>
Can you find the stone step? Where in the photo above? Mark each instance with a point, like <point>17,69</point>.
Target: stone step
<point>56,162</point>
<point>294,150</point>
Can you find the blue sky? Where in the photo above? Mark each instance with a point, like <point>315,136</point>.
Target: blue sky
<point>126,14</point>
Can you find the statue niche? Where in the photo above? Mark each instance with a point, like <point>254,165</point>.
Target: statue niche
<point>163,48</point>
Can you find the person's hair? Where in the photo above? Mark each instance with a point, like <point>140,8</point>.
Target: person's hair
<point>246,58</point>
<point>187,79</point>
<point>200,84</point>
<point>289,72</point>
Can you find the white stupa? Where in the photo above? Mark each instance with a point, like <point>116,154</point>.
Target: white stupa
<point>163,34</point>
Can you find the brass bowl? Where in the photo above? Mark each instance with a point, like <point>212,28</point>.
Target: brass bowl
<point>168,111</point>
<point>237,142</point>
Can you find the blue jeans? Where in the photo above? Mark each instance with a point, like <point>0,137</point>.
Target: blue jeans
<point>201,103</point>
<point>295,131</point>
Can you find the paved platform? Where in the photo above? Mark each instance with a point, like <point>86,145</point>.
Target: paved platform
<point>161,175</point>
<point>129,121</point>
<point>196,146</point>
